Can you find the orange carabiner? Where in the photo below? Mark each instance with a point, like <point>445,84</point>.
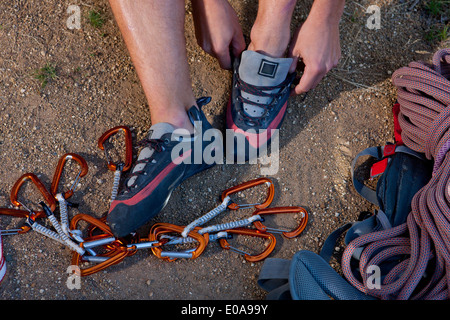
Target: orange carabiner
<point>128,147</point>
<point>14,213</point>
<point>248,185</point>
<point>164,228</point>
<point>48,197</point>
<point>111,257</point>
<point>92,221</point>
<point>252,233</point>
<point>17,213</point>
<point>288,234</point>
<point>59,170</point>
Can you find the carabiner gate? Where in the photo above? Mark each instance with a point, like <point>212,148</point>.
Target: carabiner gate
<point>115,251</point>
<point>17,213</point>
<point>288,234</point>
<point>48,197</point>
<point>59,169</point>
<point>128,147</point>
<point>164,228</point>
<point>248,185</point>
<point>252,233</point>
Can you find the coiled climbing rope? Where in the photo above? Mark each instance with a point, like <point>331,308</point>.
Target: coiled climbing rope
<point>423,91</point>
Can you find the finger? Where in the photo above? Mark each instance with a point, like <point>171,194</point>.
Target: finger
<point>310,79</point>
<point>224,58</point>
<point>238,44</point>
<point>293,66</point>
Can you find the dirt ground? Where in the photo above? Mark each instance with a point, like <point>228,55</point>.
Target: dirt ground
<point>94,87</point>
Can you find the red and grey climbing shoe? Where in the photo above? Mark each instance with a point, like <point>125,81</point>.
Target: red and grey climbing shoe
<point>157,172</point>
<point>261,87</point>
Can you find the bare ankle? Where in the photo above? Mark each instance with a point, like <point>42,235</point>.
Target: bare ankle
<point>268,42</point>
<point>177,119</point>
<point>271,32</point>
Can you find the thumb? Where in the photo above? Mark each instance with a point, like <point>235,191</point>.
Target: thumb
<point>293,66</point>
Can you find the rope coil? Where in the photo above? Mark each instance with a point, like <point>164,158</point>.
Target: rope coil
<point>423,91</point>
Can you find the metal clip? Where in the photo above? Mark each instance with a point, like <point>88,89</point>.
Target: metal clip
<point>252,233</point>
<point>48,197</point>
<point>159,229</point>
<point>17,213</point>
<point>10,232</point>
<point>288,234</point>
<point>105,261</point>
<point>59,169</point>
<point>116,250</point>
<point>248,185</point>
<point>128,148</point>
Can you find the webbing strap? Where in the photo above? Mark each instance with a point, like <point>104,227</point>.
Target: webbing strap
<point>330,243</point>
<point>2,260</point>
<point>377,153</point>
<point>274,278</point>
<point>365,192</point>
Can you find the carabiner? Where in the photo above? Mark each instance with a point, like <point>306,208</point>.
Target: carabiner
<point>17,213</point>
<point>92,221</point>
<point>59,169</point>
<point>105,261</point>
<point>252,233</point>
<point>248,185</point>
<point>164,228</point>
<point>111,257</point>
<point>48,197</point>
<point>288,234</point>
<point>128,147</point>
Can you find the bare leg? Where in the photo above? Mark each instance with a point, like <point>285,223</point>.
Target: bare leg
<point>153,31</point>
<point>271,33</point>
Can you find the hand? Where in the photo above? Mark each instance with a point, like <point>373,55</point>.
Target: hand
<point>317,44</point>
<point>217,30</point>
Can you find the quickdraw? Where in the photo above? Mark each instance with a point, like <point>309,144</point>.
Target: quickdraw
<point>59,170</point>
<point>228,203</point>
<point>282,210</point>
<point>62,197</point>
<point>100,249</point>
<point>118,167</point>
<point>252,233</point>
<point>248,185</point>
<point>239,226</point>
<point>160,229</point>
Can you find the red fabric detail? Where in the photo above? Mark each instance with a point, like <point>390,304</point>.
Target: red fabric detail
<point>389,150</point>
<point>147,190</point>
<point>397,128</point>
<point>378,167</point>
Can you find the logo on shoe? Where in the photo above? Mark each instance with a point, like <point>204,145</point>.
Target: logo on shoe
<point>207,147</point>
<point>268,68</point>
